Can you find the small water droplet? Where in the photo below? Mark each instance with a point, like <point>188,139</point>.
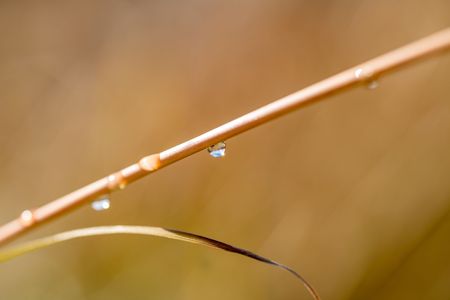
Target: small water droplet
<point>217,150</point>
<point>116,181</point>
<point>371,85</point>
<point>359,73</point>
<point>27,218</point>
<point>367,77</point>
<point>101,204</point>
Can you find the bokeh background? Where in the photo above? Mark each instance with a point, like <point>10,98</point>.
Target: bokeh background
<point>353,192</point>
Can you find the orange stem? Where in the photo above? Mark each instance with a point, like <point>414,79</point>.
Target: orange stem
<point>360,74</point>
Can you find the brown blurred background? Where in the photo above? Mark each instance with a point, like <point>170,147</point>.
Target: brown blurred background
<point>354,192</point>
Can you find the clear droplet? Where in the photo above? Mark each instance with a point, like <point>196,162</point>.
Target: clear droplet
<point>367,78</point>
<point>101,204</point>
<point>217,150</point>
<point>27,218</point>
<point>359,73</point>
<point>116,181</point>
<point>373,84</point>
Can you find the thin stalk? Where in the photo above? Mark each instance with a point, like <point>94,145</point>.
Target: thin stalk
<point>353,77</point>
<point>184,236</point>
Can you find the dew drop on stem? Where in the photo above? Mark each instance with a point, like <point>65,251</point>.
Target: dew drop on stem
<point>367,77</point>
<point>371,85</point>
<point>218,150</point>
<point>100,204</point>
<point>27,218</point>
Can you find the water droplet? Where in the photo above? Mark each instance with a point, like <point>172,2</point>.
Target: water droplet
<point>359,73</point>
<point>217,150</point>
<point>371,85</point>
<point>116,181</point>
<point>27,218</point>
<point>101,204</point>
<point>367,77</point>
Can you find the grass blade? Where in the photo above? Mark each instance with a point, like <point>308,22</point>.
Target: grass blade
<point>144,230</point>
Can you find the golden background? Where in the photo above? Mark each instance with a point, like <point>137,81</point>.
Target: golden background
<point>353,192</point>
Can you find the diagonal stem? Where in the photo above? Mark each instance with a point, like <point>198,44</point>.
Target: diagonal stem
<point>353,77</point>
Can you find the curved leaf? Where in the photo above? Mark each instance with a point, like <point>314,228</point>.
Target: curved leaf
<point>143,230</point>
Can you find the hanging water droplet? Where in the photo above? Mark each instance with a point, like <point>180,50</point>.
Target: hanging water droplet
<point>359,73</point>
<point>116,181</point>
<point>367,77</point>
<point>217,150</point>
<point>101,204</point>
<point>27,218</point>
<point>371,85</point>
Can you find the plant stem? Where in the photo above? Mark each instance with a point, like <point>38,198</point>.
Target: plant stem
<point>353,77</point>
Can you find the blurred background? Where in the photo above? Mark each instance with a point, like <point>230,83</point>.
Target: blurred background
<point>352,192</point>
